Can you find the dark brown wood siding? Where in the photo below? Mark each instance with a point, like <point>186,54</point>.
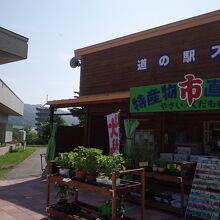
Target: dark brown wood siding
<point>115,69</point>
<point>68,138</point>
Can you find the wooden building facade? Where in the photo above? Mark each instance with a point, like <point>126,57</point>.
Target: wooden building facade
<point>162,55</point>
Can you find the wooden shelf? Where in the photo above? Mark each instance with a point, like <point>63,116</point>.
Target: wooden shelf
<point>113,192</point>
<point>88,214</point>
<point>81,185</point>
<point>58,215</point>
<point>163,177</point>
<point>180,181</point>
<point>163,206</point>
<point>169,178</point>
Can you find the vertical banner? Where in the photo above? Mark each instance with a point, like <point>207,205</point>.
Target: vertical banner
<point>113,132</point>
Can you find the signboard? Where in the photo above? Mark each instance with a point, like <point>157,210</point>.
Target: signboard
<point>190,94</point>
<point>204,198</point>
<point>113,132</point>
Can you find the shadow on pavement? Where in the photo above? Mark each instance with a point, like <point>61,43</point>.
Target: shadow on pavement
<point>28,195</point>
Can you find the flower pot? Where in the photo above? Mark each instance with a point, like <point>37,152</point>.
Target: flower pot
<point>90,178</point>
<point>64,172</point>
<point>160,169</point>
<point>101,180</point>
<point>118,181</point>
<point>80,174</point>
<point>155,169</point>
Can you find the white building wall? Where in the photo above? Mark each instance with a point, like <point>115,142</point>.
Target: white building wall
<point>10,100</point>
<point>8,133</point>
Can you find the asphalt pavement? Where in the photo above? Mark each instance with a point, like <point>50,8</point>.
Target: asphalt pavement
<point>30,167</point>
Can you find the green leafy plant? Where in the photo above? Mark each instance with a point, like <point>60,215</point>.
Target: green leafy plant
<point>80,162</point>
<point>110,164</point>
<point>92,161</point>
<point>73,157</point>
<point>143,153</point>
<point>172,167</point>
<point>162,163</point>
<point>63,161</point>
<point>65,192</point>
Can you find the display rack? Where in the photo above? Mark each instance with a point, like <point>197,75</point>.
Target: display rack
<point>112,192</point>
<point>181,181</point>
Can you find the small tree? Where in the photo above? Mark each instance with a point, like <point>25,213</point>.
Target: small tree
<point>78,112</point>
<point>46,128</point>
<point>16,134</point>
<point>31,136</point>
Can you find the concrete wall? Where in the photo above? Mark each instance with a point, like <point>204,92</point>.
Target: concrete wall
<point>6,131</point>
<point>13,47</point>
<point>6,149</point>
<point>10,104</point>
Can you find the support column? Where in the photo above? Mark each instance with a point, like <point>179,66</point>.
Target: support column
<point>87,129</point>
<point>51,115</point>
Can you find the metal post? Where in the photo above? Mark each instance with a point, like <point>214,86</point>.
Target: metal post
<point>51,114</point>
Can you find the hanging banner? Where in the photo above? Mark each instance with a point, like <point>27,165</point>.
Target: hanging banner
<point>113,133</point>
<point>190,94</point>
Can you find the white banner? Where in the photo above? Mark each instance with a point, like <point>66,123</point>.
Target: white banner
<point>113,132</point>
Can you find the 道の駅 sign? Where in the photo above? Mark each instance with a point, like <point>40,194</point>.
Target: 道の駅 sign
<point>190,94</point>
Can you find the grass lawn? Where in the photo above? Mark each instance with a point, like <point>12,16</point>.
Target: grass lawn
<point>10,160</point>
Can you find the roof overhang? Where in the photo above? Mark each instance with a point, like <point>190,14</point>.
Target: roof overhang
<point>10,104</point>
<point>154,32</point>
<point>13,47</point>
<point>90,100</point>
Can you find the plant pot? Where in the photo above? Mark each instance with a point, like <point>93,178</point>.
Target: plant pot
<point>118,181</point>
<point>160,169</point>
<point>80,174</point>
<point>64,172</point>
<point>155,169</point>
<point>101,180</point>
<point>90,178</point>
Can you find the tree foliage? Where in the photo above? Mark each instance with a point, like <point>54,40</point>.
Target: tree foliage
<point>31,135</point>
<point>46,128</point>
<point>78,112</point>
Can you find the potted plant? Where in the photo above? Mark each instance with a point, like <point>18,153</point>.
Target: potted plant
<point>162,165</point>
<point>92,162</point>
<point>79,163</point>
<point>155,165</point>
<point>63,161</point>
<point>174,168</point>
<point>110,164</point>
<point>66,194</point>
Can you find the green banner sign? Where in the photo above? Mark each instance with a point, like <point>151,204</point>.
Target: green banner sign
<point>191,94</point>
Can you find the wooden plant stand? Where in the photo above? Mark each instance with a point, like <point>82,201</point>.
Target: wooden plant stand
<point>129,186</point>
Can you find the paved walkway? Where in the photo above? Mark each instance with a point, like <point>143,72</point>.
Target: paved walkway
<point>22,199</point>
<point>28,168</point>
<point>22,194</point>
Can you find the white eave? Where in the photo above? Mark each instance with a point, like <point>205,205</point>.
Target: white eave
<point>10,104</point>
<point>13,47</point>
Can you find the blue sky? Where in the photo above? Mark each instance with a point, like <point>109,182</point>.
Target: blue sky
<point>56,28</point>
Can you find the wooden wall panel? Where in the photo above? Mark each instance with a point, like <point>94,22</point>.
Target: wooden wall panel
<point>99,133</point>
<point>115,69</point>
<point>68,138</point>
